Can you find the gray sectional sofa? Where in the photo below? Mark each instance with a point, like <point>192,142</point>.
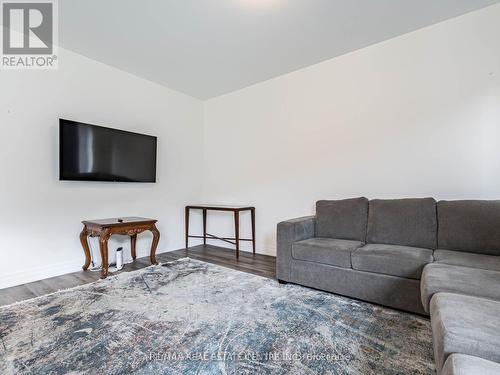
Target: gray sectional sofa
<point>427,257</point>
<point>372,250</point>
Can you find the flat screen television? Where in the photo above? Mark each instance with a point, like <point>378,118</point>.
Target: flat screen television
<point>95,153</point>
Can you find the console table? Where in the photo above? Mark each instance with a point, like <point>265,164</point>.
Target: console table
<point>232,240</point>
<point>104,228</point>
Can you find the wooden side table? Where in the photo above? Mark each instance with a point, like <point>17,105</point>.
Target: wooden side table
<point>105,228</point>
<point>232,240</point>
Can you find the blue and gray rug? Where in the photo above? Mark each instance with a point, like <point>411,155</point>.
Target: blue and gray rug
<point>190,317</point>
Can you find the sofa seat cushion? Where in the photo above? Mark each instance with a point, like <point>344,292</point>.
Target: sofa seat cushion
<point>391,260</point>
<point>462,364</point>
<point>325,250</point>
<point>438,277</point>
<point>466,325</point>
<point>343,219</point>
<point>474,260</point>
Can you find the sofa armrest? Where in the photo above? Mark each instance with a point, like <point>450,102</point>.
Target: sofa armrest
<point>289,232</point>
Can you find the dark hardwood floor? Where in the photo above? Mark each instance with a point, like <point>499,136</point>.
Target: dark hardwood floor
<point>258,264</point>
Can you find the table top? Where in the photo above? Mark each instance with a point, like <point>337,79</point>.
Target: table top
<point>114,221</point>
<point>220,207</point>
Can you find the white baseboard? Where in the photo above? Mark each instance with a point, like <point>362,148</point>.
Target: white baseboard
<point>267,251</point>
<point>27,275</point>
<point>30,274</point>
<point>264,250</point>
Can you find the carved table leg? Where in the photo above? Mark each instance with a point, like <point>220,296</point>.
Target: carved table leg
<point>133,240</point>
<point>156,239</point>
<point>103,246</point>
<point>86,249</point>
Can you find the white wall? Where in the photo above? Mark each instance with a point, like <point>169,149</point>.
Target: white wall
<point>418,115</point>
<point>39,215</point>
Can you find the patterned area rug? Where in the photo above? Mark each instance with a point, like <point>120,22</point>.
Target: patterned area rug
<point>190,317</point>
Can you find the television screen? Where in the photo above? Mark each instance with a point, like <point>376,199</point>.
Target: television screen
<point>95,153</point>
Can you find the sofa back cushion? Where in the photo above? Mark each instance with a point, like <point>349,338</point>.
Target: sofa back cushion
<point>343,219</point>
<point>406,222</point>
<point>469,225</point>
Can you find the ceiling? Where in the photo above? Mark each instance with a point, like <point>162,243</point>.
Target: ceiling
<point>206,48</point>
